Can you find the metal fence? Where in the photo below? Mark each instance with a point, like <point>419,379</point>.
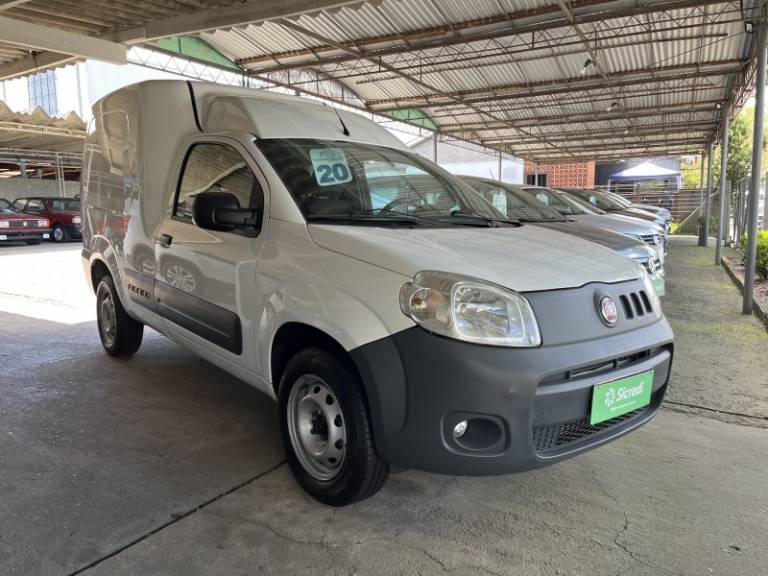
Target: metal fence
<point>681,202</point>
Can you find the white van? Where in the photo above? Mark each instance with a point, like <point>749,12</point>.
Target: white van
<point>398,319</point>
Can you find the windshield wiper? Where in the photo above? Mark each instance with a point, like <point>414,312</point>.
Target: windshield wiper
<point>365,218</point>
<point>479,217</point>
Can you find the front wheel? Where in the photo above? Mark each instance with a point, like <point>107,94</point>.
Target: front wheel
<point>327,431</point>
<point>60,233</point>
<point>120,334</point>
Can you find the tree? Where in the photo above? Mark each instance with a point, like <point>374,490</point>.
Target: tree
<point>740,145</point>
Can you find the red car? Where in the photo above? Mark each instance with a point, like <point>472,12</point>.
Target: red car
<point>64,214</point>
<point>16,226</point>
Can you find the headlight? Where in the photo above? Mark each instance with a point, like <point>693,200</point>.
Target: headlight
<point>4,224</point>
<point>76,220</point>
<point>469,309</point>
<point>43,224</point>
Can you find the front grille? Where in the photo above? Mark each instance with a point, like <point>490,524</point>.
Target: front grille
<point>651,239</point>
<point>598,368</point>
<point>25,223</point>
<point>636,304</point>
<point>551,439</point>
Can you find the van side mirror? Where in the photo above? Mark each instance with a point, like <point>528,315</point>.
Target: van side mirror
<point>221,211</point>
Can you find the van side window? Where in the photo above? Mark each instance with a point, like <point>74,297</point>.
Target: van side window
<point>216,168</point>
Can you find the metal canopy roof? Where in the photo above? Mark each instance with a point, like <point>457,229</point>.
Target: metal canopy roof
<point>37,130</point>
<point>543,79</point>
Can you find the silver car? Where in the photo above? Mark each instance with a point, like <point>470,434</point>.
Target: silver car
<point>513,202</point>
<point>585,213</point>
<point>608,204</point>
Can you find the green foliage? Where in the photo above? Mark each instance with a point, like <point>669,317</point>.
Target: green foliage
<point>761,256</point>
<point>740,145</point>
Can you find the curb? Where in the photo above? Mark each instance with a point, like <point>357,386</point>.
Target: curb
<point>756,308</point>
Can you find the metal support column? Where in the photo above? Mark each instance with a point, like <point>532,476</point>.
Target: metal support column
<point>765,203</point>
<point>757,158</point>
<point>721,223</point>
<point>500,160</point>
<point>707,194</point>
<point>701,184</point>
<point>434,147</point>
<point>727,221</point>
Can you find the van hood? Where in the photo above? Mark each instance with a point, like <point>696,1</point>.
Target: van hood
<point>523,259</point>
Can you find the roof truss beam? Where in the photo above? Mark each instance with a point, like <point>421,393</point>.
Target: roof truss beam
<point>45,38</point>
<point>567,85</point>
<point>565,119</point>
<point>512,24</point>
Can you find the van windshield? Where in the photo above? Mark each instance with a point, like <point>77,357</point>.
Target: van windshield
<point>342,182</point>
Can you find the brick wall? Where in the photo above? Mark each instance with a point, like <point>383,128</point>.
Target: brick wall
<point>565,174</point>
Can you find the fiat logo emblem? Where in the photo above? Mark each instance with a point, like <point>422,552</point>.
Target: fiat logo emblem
<point>608,312</point>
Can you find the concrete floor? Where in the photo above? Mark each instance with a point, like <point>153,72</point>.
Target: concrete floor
<point>163,464</point>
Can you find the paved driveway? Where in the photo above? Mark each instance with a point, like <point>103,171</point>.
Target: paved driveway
<point>163,464</point>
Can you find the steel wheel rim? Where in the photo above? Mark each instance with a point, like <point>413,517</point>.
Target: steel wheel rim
<point>107,319</point>
<point>58,235</point>
<point>179,277</point>
<point>316,427</point>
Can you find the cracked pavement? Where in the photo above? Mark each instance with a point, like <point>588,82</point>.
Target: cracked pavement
<point>165,465</point>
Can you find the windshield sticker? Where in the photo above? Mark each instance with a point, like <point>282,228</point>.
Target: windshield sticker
<point>500,202</point>
<point>330,165</point>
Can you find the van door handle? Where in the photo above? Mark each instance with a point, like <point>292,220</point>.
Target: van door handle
<point>164,240</point>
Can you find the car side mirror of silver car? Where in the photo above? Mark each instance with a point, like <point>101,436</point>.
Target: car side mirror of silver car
<point>221,211</point>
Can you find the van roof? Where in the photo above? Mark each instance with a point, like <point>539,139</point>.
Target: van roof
<point>222,108</point>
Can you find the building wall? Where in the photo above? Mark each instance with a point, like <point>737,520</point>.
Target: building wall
<point>463,161</point>
<point>564,174</point>
<point>12,188</point>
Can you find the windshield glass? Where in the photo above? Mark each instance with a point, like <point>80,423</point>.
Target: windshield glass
<point>586,206</point>
<point>618,199</point>
<point>5,207</point>
<point>557,201</point>
<point>597,199</point>
<point>343,181</point>
<point>65,204</point>
<point>514,204</point>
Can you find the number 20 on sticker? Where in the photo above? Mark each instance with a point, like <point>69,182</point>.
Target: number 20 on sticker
<point>330,165</point>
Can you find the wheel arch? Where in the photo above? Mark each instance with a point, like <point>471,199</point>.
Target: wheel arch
<point>291,338</point>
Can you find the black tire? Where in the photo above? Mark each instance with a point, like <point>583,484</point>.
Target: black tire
<point>60,234</point>
<point>34,242</point>
<point>121,336</point>
<point>362,473</point>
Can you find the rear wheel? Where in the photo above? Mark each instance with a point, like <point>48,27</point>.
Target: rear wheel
<point>120,334</point>
<point>60,233</point>
<point>327,431</point>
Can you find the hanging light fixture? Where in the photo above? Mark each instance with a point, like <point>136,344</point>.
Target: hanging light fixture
<point>613,105</point>
<point>587,63</point>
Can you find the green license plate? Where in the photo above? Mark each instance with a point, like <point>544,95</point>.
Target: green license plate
<point>618,397</point>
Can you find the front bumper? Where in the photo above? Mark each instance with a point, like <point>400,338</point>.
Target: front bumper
<point>530,407</point>
<point>22,235</point>
<point>75,230</point>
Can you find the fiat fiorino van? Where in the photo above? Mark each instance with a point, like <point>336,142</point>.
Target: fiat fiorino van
<point>399,320</point>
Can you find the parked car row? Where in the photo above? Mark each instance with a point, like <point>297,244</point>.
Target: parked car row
<point>34,219</point>
<point>521,202</point>
<point>400,316</point>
